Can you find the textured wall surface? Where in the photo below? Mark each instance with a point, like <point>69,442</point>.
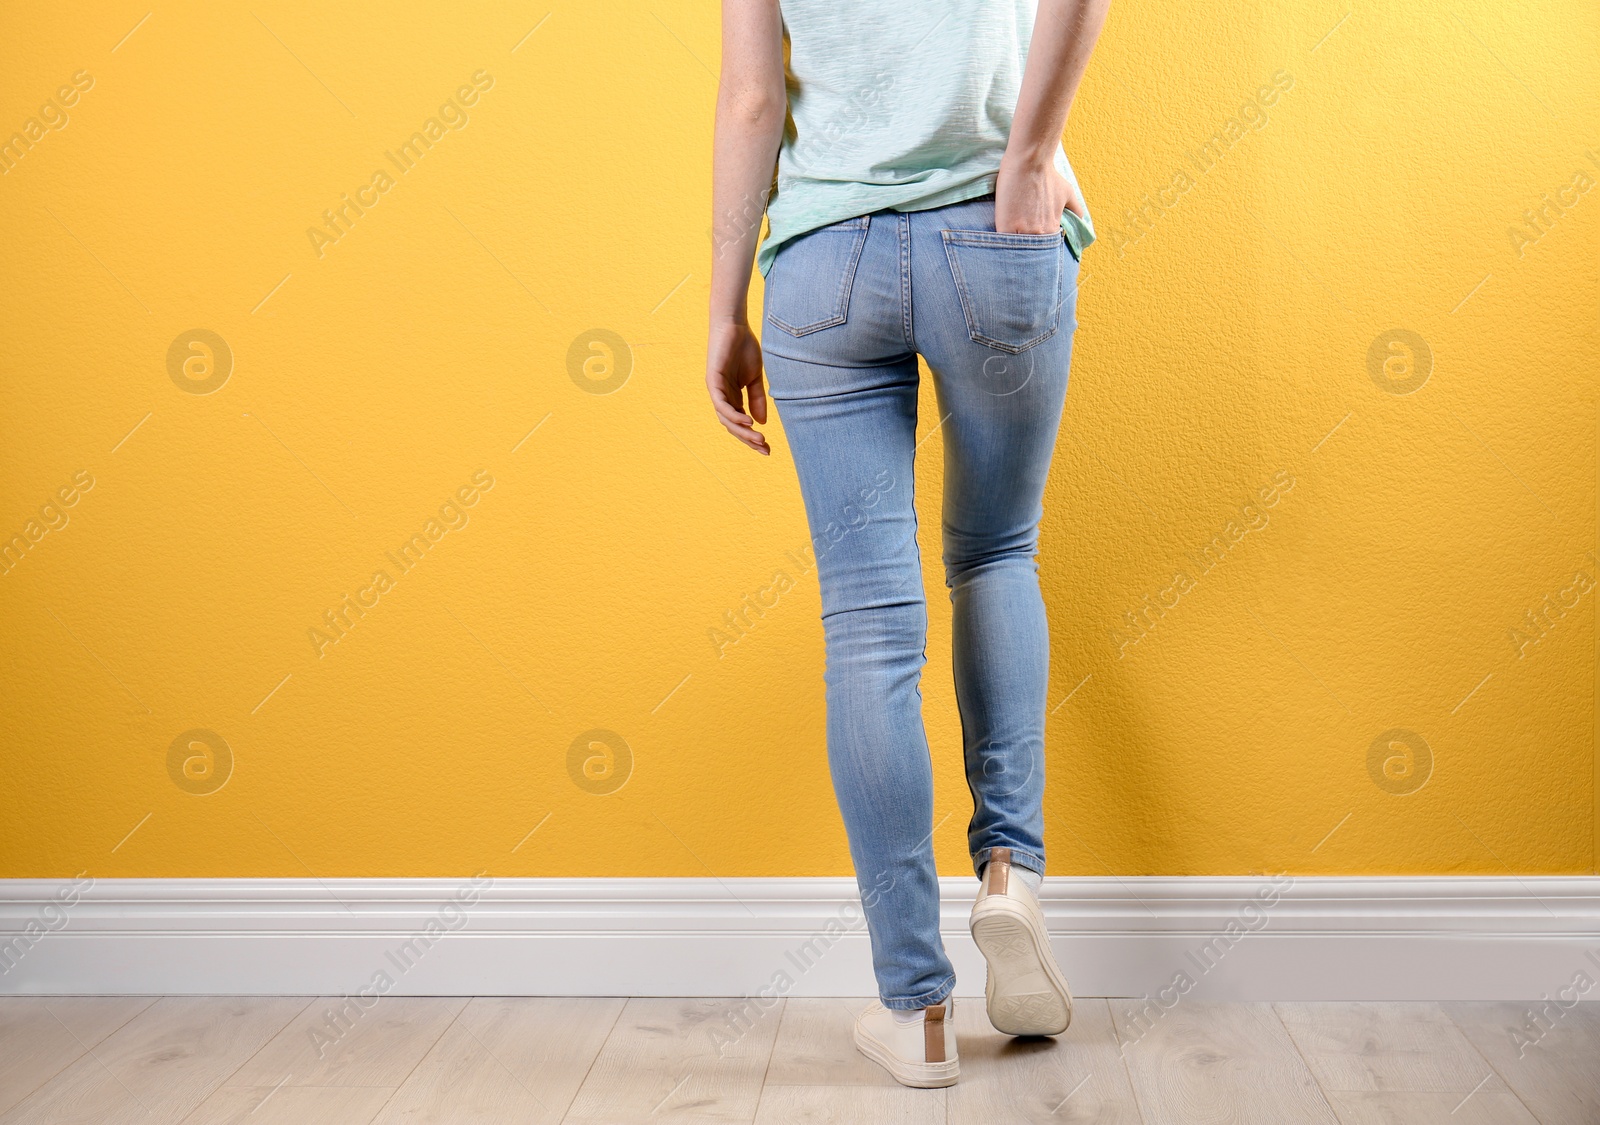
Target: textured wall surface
<point>1319,543</point>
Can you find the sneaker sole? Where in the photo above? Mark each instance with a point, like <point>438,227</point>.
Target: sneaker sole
<point>923,1076</point>
<point>1025,992</point>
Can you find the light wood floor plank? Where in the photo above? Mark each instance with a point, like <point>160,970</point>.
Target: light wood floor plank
<point>1410,1107</point>
<point>817,1075</point>
<point>814,1047</point>
<point>290,1105</point>
<point>160,1064</point>
<point>40,1036</point>
<point>374,1046</point>
<point>1553,1065</point>
<point>675,1060</point>
<point>1411,1047</point>
<point>510,1060</point>
<point>851,1105</point>
<point>1078,1076</point>
<point>540,1061</point>
<point>1198,1063</point>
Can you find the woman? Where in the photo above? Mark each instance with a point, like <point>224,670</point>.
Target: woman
<point>923,205</point>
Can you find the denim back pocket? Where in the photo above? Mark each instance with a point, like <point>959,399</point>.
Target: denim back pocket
<point>808,286</point>
<point>1009,285</point>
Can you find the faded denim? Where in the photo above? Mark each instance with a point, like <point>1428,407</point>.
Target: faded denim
<point>848,308</point>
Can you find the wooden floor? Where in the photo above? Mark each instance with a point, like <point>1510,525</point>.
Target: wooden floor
<point>278,1061</point>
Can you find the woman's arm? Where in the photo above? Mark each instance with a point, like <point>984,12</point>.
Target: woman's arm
<point>751,107</point>
<point>1029,193</point>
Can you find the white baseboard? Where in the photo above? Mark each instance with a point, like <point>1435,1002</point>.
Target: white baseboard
<point>1378,938</point>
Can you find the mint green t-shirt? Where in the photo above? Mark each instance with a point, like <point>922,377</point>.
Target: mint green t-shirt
<point>900,104</point>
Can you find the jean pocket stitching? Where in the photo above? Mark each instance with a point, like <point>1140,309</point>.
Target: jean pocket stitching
<point>841,301</point>
<point>1042,240</point>
<point>954,238</point>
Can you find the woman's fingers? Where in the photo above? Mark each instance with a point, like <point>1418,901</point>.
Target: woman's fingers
<point>736,421</point>
<point>733,418</point>
<point>757,394</point>
<point>1075,203</point>
<point>732,375</point>
<point>747,434</point>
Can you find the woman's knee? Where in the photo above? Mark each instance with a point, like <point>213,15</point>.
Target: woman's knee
<point>968,556</point>
<point>882,634</point>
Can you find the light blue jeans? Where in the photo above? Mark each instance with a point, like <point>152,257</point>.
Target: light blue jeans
<point>848,308</point>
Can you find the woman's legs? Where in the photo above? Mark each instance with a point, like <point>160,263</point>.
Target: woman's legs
<point>853,451</point>
<point>995,319</point>
<point>847,396</point>
<point>847,309</point>
<point>1001,412</point>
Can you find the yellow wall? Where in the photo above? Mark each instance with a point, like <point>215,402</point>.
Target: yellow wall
<point>1225,345</point>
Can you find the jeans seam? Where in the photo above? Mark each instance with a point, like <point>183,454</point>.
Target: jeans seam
<point>961,285</point>
<point>907,326</point>
<point>1000,238</point>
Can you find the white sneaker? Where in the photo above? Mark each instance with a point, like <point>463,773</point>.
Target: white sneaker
<point>920,1053</point>
<point>1026,992</point>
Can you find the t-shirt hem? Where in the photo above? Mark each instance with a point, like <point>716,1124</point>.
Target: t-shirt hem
<point>1079,232</point>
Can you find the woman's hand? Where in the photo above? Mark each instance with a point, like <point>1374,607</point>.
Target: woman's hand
<point>733,374</point>
<point>1030,195</point>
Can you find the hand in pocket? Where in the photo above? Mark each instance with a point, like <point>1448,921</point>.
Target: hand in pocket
<point>1030,197</point>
